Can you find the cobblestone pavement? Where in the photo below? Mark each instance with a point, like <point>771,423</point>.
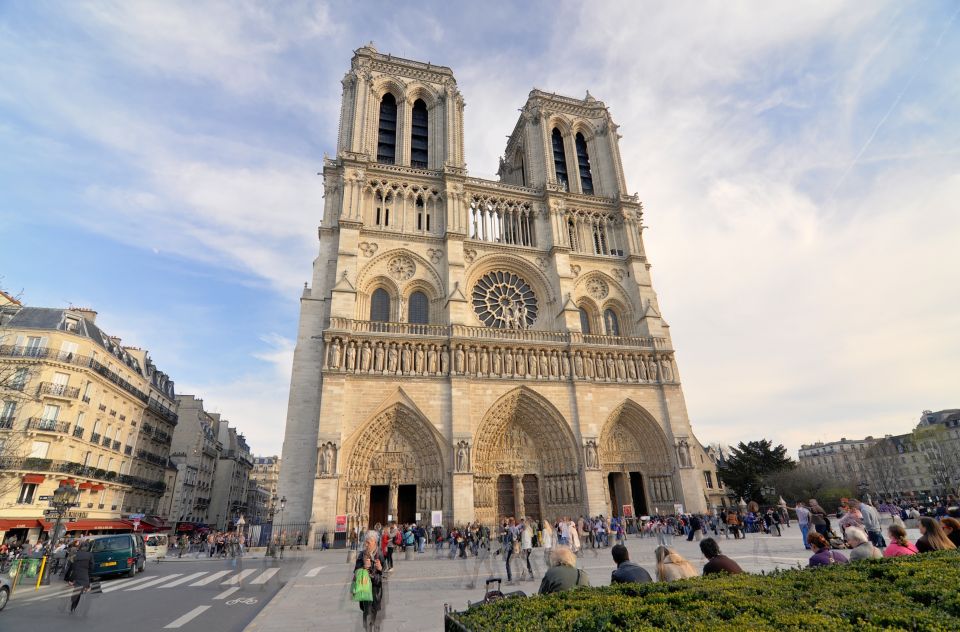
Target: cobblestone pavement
<point>415,593</point>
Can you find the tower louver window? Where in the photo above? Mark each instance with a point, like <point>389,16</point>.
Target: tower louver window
<point>583,162</point>
<point>560,160</point>
<point>419,136</point>
<point>387,138</point>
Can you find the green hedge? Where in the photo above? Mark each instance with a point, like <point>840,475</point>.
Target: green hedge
<point>913,592</point>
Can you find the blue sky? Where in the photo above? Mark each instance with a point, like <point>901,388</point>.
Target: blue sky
<point>799,167</point>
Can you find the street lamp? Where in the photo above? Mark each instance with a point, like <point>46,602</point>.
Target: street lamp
<point>64,498</point>
<point>283,503</point>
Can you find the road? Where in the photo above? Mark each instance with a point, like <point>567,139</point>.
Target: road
<point>187,595</point>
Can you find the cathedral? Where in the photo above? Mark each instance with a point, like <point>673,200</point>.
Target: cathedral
<point>475,347</point>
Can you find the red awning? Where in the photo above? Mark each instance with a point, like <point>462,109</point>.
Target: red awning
<point>97,487</point>
<point>92,524</point>
<point>185,526</point>
<point>68,481</point>
<point>85,486</point>
<point>34,478</point>
<point>17,523</point>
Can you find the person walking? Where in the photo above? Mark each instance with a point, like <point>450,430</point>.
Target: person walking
<point>526,545</point>
<point>803,520</point>
<point>818,518</point>
<point>627,572</point>
<point>511,546</point>
<point>371,558</point>
<point>81,573</point>
<point>547,541</point>
<point>871,524</point>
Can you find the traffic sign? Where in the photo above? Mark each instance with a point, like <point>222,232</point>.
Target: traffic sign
<point>50,512</point>
<point>45,498</point>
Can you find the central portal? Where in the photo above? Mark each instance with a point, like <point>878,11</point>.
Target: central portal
<point>379,499</point>
<point>506,499</point>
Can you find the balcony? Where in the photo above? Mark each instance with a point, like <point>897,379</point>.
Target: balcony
<point>155,406</point>
<point>78,469</point>
<point>86,400</point>
<point>61,391</point>
<point>78,432</point>
<point>47,425</point>
<point>95,437</point>
<point>105,442</point>
<point>128,449</point>
<point>116,446</point>
<point>102,408</point>
<point>6,423</point>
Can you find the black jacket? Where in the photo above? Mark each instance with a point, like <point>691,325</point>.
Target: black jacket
<point>82,568</point>
<point>627,572</point>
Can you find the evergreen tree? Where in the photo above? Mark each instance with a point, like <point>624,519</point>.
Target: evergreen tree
<point>749,463</point>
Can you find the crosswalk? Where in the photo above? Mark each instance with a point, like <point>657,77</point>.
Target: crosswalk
<point>227,579</point>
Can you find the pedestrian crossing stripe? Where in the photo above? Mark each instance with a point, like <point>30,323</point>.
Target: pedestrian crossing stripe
<point>265,576</point>
<point>239,577</point>
<point>212,578</point>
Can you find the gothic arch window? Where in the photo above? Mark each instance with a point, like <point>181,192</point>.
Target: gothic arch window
<point>583,162</point>
<point>419,138</point>
<point>423,215</point>
<point>387,136</point>
<point>560,159</point>
<point>382,213</point>
<point>380,306</point>
<point>418,309</point>
<point>584,320</point>
<point>611,323</point>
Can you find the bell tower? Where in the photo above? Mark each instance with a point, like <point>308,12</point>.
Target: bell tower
<point>400,112</point>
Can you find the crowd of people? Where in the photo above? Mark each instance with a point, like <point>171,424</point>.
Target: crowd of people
<point>850,534</point>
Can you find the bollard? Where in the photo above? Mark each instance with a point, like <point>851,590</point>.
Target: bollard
<point>408,554</point>
<point>351,555</point>
<point>43,565</point>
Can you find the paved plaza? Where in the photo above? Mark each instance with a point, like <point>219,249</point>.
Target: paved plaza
<point>414,594</point>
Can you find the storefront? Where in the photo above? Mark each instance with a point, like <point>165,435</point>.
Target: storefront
<point>19,530</point>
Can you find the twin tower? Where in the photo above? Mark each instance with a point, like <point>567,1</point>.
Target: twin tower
<point>481,348</point>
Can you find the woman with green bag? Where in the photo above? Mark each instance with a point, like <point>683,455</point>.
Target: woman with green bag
<point>368,579</point>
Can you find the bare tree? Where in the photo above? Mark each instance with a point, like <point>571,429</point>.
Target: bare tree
<point>17,389</point>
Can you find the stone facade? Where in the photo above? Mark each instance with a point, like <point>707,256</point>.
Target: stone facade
<point>195,451</point>
<point>477,347</point>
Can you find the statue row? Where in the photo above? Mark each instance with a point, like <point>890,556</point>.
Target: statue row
<point>406,358</point>
<point>562,489</point>
<point>661,488</point>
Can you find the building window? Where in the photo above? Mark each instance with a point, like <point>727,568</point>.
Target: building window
<point>611,323</point>
<point>560,160</point>
<point>584,320</point>
<point>27,490</point>
<point>51,412</point>
<point>380,305</point>
<point>19,379</point>
<point>419,309</point>
<point>383,209</point>
<point>7,414</point>
<point>708,477</point>
<point>583,162</point>
<point>387,139</point>
<point>418,135</point>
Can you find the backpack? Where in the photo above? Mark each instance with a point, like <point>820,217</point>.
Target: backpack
<point>396,538</point>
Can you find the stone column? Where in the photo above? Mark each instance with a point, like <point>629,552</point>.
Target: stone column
<point>463,510</point>
<point>392,501</point>
<point>518,496</point>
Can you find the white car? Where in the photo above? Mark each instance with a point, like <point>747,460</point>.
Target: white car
<point>4,591</point>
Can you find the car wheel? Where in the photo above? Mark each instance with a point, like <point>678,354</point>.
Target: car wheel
<point>4,597</point>
<point>132,572</point>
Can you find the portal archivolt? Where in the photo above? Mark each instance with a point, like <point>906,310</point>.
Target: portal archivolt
<point>525,460</point>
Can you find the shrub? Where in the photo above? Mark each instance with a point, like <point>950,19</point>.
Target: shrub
<point>912,592</point>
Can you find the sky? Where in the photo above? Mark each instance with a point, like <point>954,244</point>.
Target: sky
<point>799,166</point>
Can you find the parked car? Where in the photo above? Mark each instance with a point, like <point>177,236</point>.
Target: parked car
<point>122,553</point>
<point>157,544</point>
<point>4,591</point>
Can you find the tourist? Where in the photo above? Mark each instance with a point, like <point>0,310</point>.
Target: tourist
<point>671,565</point>
<point>695,528</point>
<point>860,546</point>
<point>627,572</point>
<point>818,518</point>
<point>823,555</point>
<point>526,545</point>
<point>951,528</point>
<point>563,573</point>
<point>575,544</point>
<point>511,545</point>
<point>733,523</point>
<point>547,536</point>
<point>899,544</point>
<point>716,561</point>
<point>932,536</point>
<point>371,558</point>
<point>803,519</point>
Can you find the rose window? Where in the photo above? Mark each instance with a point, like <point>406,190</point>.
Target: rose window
<point>505,301</point>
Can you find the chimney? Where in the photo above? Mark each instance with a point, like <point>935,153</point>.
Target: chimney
<point>86,312</point>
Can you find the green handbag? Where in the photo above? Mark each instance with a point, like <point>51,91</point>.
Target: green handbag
<point>362,587</point>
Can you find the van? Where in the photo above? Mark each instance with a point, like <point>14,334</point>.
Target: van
<point>157,544</point>
<point>122,553</point>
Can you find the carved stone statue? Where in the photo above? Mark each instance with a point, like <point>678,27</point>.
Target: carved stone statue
<point>652,370</point>
<point>444,361</point>
<point>578,365</point>
<point>496,361</point>
<point>508,363</point>
<point>544,364</point>
<point>463,459</point>
<point>601,369</point>
<point>378,358</point>
<point>406,360</point>
<point>642,368</point>
<point>432,359</point>
<point>458,365</point>
<point>419,360</point>
<point>472,361</point>
<point>631,369</point>
<point>351,356</point>
<point>554,364</point>
<point>392,358</point>
<point>335,354</point>
<point>593,462</point>
<point>365,357</point>
<point>666,370</point>
<point>532,364</point>
<point>484,362</point>
<point>611,367</point>
<point>621,368</point>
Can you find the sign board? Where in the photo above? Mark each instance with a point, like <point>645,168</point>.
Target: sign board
<point>73,515</point>
<point>644,518</point>
<point>678,509</point>
<point>418,517</point>
<point>436,518</point>
<point>341,524</point>
<point>389,517</point>
<point>45,498</point>
<point>628,511</point>
<point>137,516</point>
<point>136,524</point>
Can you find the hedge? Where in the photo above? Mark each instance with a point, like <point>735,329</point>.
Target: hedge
<point>912,592</point>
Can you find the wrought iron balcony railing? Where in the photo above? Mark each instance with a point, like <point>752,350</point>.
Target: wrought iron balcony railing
<point>47,425</point>
<point>58,390</point>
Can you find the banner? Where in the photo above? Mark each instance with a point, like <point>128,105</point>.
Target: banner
<point>341,524</point>
<point>628,511</point>
<point>436,518</point>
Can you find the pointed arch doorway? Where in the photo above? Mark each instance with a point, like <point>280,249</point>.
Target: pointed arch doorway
<point>525,461</point>
<point>394,469</point>
<point>636,463</point>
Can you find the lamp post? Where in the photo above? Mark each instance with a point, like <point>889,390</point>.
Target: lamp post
<point>270,513</point>
<point>64,498</point>
<point>283,504</point>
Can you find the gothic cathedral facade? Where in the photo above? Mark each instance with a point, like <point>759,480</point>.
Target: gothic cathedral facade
<point>481,348</point>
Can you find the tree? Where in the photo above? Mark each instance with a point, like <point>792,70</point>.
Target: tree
<point>803,484</point>
<point>748,463</point>
<point>16,390</point>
